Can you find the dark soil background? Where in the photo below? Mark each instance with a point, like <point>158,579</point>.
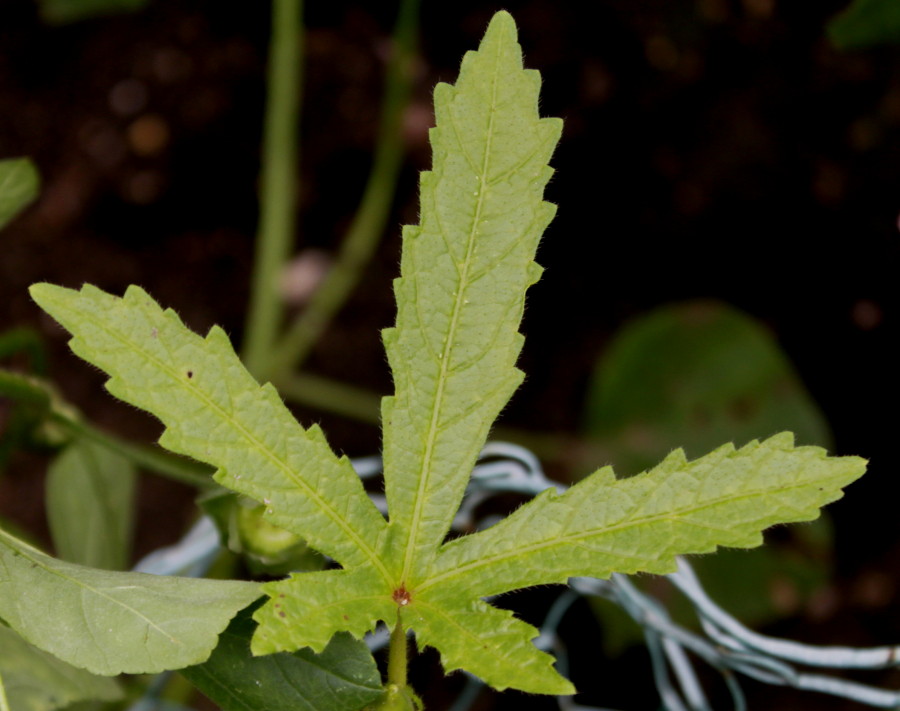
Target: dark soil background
<point>712,148</point>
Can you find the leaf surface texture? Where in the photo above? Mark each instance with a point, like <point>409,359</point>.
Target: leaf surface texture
<point>36,681</point>
<point>461,291</point>
<point>110,622</point>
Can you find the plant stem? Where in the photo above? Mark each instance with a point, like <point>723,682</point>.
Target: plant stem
<point>4,703</point>
<point>371,217</point>
<point>278,182</point>
<point>171,467</point>
<point>397,655</point>
<point>331,396</point>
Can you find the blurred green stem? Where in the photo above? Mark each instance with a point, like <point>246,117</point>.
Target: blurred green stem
<point>331,396</point>
<point>278,182</point>
<point>24,388</point>
<point>4,704</point>
<point>185,471</point>
<point>371,217</point>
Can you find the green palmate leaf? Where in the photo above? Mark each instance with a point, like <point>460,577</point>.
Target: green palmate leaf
<point>90,492</point>
<point>214,411</point>
<point>111,623</point>
<point>18,187</point>
<point>464,272</point>
<point>344,677</point>
<point>36,681</point>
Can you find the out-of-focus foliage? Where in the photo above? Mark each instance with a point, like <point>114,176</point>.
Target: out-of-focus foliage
<point>90,507</point>
<point>693,375</point>
<point>63,11</point>
<point>866,23</point>
<point>19,182</point>
<point>37,681</point>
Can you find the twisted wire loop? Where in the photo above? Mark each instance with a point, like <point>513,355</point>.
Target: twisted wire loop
<point>725,644</point>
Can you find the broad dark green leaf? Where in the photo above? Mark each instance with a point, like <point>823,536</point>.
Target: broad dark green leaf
<point>693,375</point>
<point>344,677</point>
<point>866,23</point>
<point>90,492</point>
<point>37,681</point>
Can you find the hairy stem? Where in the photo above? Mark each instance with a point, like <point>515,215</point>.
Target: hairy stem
<point>371,217</point>
<point>278,182</point>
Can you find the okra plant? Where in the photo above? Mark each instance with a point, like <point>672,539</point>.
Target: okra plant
<point>464,272</point>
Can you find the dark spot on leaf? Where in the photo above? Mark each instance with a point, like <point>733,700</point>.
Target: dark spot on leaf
<point>401,596</point>
<point>190,373</point>
<point>346,617</point>
<point>281,595</point>
<point>282,613</point>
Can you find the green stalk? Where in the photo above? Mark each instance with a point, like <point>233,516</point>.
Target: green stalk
<point>371,217</point>
<point>178,469</point>
<point>397,656</point>
<point>331,396</point>
<point>4,704</point>
<point>278,182</point>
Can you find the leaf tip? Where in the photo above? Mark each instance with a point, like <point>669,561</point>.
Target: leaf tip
<point>44,293</point>
<point>501,23</point>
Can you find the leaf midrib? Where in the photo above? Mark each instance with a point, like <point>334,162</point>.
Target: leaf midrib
<point>445,356</point>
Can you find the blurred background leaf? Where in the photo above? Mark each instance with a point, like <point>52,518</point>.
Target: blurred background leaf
<point>63,11</point>
<point>90,505</point>
<point>37,681</point>
<point>19,183</point>
<point>866,23</point>
<point>694,375</point>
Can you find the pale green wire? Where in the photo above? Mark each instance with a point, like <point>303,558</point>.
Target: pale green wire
<point>278,182</point>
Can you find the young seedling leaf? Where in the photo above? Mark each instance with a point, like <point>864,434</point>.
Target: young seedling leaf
<point>90,492</point>
<point>460,295</point>
<point>36,681</point>
<point>109,622</point>
<point>18,186</point>
<point>344,677</point>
